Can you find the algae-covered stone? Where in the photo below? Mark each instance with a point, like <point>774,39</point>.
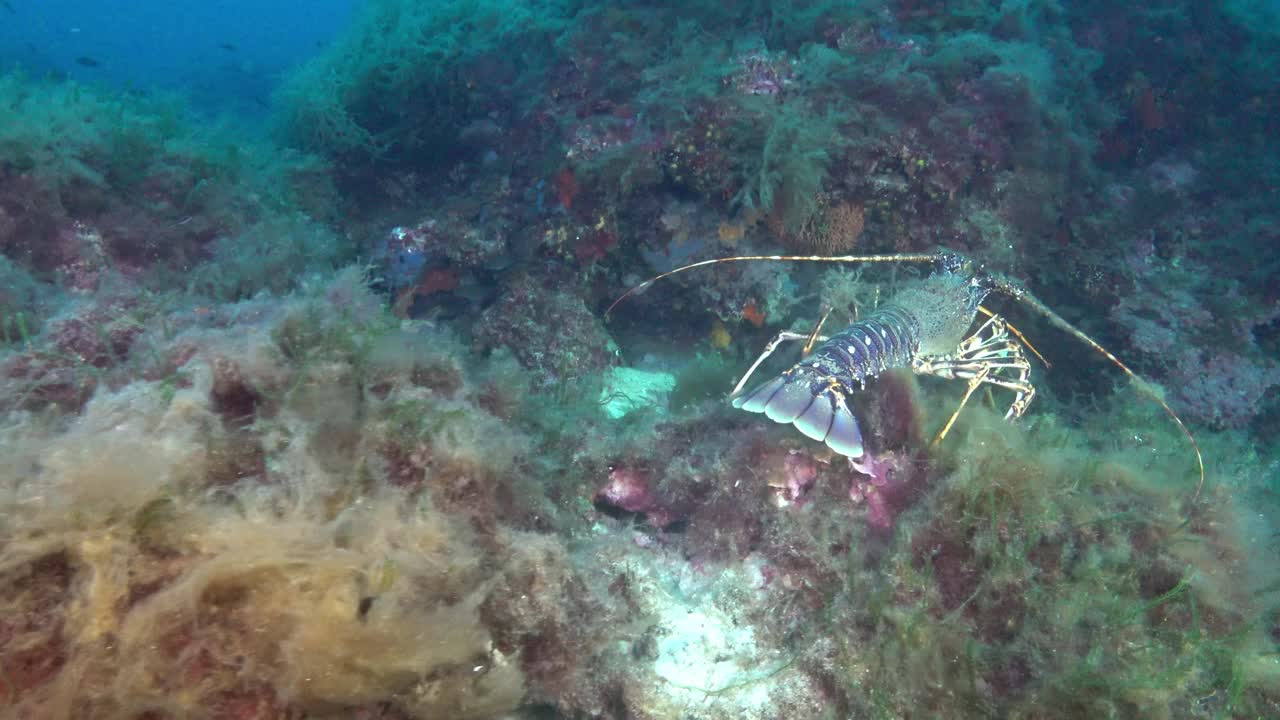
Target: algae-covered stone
<point>626,389</point>
<point>551,331</point>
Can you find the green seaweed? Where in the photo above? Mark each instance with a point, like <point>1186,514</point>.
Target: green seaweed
<point>785,148</point>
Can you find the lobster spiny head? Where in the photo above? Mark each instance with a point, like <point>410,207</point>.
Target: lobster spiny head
<point>943,306</point>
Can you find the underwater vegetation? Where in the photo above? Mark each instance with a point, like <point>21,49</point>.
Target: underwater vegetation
<point>332,422</point>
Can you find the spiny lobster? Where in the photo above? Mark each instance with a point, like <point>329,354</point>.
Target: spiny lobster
<point>924,327</point>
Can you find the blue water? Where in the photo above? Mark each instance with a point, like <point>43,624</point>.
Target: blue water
<point>225,55</point>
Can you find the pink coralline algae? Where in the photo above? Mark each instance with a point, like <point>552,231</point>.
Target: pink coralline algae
<point>880,486</point>
<point>630,489</point>
<point>881,481</point>
<point>799,471</point>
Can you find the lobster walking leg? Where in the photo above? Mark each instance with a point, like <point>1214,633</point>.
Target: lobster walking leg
<point>976,381</point>
<point>814,337</point>
<point>992,356</point>
<point>784,336</point>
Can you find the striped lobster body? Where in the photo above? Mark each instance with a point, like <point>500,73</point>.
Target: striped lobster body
<point>813,394</point>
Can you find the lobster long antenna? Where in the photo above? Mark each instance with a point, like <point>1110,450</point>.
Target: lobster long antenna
<point>1024,296</point>
<point>906,257</point>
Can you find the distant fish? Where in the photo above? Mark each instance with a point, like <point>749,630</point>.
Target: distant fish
<point>8,6</point>
<point>87,61</point>
<point>227,46</point>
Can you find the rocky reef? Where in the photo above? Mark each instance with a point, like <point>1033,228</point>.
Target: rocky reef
<point>340,421</point>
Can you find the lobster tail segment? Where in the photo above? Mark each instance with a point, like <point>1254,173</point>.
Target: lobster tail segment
<point>820,413</point>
